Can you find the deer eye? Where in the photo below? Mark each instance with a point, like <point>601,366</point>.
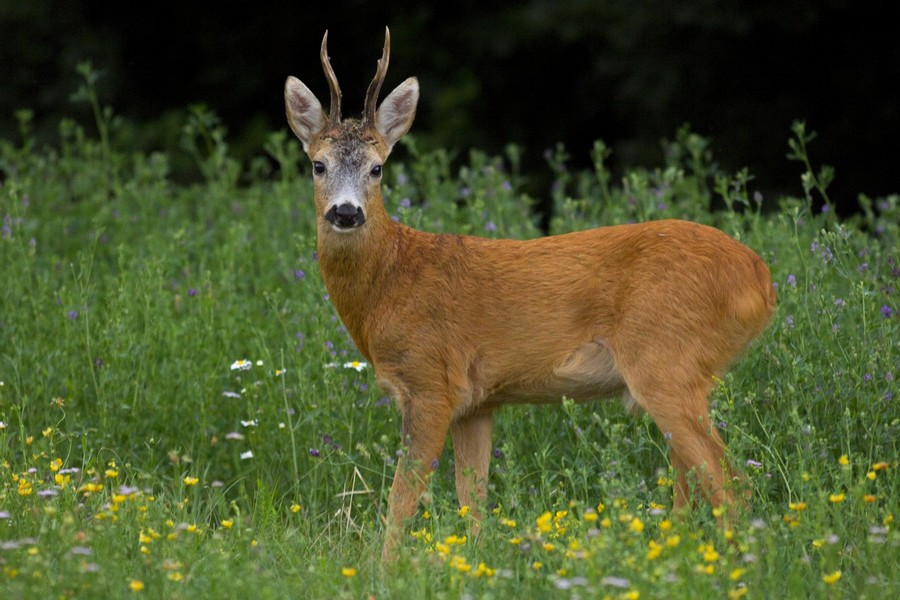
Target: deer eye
<point>318,168</point>
<point>376,171</point>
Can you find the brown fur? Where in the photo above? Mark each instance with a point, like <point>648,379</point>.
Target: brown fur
<point>456,325</point>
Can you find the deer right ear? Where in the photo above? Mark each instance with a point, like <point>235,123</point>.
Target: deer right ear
<point>304,112</point>
<point>395,115</point>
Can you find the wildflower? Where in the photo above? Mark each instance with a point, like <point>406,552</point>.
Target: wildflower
<point>358,365</point>
<point>227,523</point>
<point>792,280</point>
<point>508,522</point>
<point>241,365</point>
<point>636,525</point>
<point>247,455</point>
<point>880,466</point>
<point>73,314</point>
<point>886,311</point>
<point>483,570</point>
<point>655,549</point>
<point>738,592</point>
<point>536,565</point>
<point>837,498</point>
<point>135,585</point>
<point>47,432</point>
<point>543,522</point>
<point>112,473</point>
<point>313,452</point>
<point>295,508</point>
<point>737,574</point>
<point>869,498</point>
<point>844,460</point>
<point>831,578</point>
<point>871,475</point>
<point>348,571</point>
<point>189,481</point>
<point>754,463</point>
<point>463,510</point>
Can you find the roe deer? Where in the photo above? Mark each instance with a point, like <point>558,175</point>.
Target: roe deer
<point>456,326</point>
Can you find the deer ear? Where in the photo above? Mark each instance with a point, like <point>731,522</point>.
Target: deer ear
<point>304,111</point>
<point>395,115</point>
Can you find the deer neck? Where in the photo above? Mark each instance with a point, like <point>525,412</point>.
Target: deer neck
<point>355,268</point>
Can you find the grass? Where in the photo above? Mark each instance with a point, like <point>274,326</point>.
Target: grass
<point>183,414</point>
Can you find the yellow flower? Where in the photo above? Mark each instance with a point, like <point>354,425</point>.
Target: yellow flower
<point>590,516</point>
<point>837,498</point>
<point>483,570</point>
<point>463,510</point>
<point>737,574</point>
<point>549,547</point>
<point>536,565</point>
<point>879,466</point>
<point>632,595</point>
<point>135,585</point>
<point>189,481</point>
<point>654,551</point>
<point>665,525</point>
<point>508,522</point>
<point>455,540</point>
<point>295,508</point>
<point>606,523</point>
<point>869,498</point>
<point>61,480</point>
<point>871,475</point>
<point>831,578</point>
<point>56,464</point>
<point>636,525</point>
<point>737,593</point>
<point>543,522</point>
<point>176,576</point>
<point>798,506</point>
<point>227,523</point>
<point>112,474</point>
<point>844,460</point>
<point>673,540</point>
<point>47,432</point>
<point>348,571</point>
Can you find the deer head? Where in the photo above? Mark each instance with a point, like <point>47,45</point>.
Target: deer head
<point>348,155</point>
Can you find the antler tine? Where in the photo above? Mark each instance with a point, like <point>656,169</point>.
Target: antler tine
<point>375,86</point>
<point>334,115</point>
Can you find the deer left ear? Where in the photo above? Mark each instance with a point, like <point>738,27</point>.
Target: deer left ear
<point>395,115</point>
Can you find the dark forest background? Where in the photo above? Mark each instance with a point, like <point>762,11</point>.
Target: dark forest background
<point>492,72</point>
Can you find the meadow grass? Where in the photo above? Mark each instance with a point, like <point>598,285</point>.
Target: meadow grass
<point>183,414</point>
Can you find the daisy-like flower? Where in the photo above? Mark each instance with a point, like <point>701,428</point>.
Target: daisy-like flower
<point>241,365</point>
<point>358,365</point>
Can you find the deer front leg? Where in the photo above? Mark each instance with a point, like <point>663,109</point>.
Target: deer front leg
<point>424,431</point>
<point>472,456</point>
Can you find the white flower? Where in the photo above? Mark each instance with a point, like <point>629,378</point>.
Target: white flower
<point>231,394</point>
<point>2,425</point>
<point>259,363</point>
<point>252,423</point>
<point>241,365</point>
<point>247,454</point>
<point>359,366</point>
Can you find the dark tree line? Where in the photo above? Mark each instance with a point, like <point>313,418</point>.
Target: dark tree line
<point>492,72</point>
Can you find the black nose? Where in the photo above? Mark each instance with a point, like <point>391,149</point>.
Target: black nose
<point>345,216</point>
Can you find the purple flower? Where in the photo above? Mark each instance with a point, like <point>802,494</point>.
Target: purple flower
<point>839,302</point>
<point>81,550</point>
<point>314,452</point>
<point>886,311</point>
<point>299,274</point>
<point>405,203</point>
<point>867,377</point>
<point>73,314</point>
<point>490,226</point>
<point>791,280</point>
<point>435,463</point>
<point>498,453</point>
<point>754,463</point>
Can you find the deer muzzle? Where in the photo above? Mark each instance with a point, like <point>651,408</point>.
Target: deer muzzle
<point>345,216</point>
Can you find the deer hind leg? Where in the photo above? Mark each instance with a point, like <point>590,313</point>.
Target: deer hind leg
<point>472,457</point>
<point>696,450</point>
<point>424,431</point>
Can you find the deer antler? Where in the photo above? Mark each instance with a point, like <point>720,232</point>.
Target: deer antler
<point>375,86</point>
<point>334,116</point>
